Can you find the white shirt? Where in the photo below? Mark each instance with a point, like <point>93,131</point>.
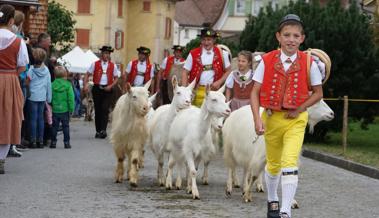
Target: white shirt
<point>104,77</point>
<point>141,67</point>
<point>206,59</point>
<point>230,80</point>
<point>6,39</point>
<point>316,78</point>
<point>164,62</point>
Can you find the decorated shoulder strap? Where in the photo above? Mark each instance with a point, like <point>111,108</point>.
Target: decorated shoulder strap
<point>321,56</point>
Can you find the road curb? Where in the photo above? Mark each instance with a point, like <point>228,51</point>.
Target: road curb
<point>342,163</point>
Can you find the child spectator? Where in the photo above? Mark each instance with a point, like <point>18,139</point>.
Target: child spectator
<point>63,104</point>
<point>240,82</point>
<point>40,91</point>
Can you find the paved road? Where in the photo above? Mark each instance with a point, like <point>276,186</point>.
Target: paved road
<point>79,183</point>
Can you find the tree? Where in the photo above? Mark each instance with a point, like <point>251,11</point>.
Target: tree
<point>60,26</point>
<point>345,34</point>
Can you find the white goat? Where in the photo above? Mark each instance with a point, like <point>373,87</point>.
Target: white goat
<point>129,130</point>
<point>151,112</point>
<point>148,116</point>
<point>242,147</point>
<point>190,137</point>
<point>160,123</point>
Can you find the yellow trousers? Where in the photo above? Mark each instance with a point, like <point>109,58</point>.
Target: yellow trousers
<point>284,139</point>
<point>199,96</point>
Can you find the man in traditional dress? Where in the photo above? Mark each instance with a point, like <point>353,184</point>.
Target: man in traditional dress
<point>171,65</point>
<point>105,76</point>
<point>208,64</point>
<point>140,71</point>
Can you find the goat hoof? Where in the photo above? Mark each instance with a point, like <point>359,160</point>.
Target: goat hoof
<point>205,183</point>
<point>228,193</point>
<point>196,197</point>
<point>237,186</point>
<point>295,205</point>
<point>260,190</point>
<point>161,184</point>
<point>177,187</point>
<point>133,184</point>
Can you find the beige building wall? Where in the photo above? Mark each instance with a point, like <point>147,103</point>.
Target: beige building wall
<point>140,28</point>
<point>149,28</point>
<point>103,22</point>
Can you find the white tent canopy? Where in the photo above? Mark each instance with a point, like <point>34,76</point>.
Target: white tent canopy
<point>78,61</point>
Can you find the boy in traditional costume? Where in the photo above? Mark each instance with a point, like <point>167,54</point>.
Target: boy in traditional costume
<point>208,64</point>
<point>281,87</point>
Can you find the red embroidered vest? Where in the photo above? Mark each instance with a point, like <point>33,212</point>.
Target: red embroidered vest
<point>134,71</point>
<point>242,92</point>
<point>284,90</point>
<point>8,57</point>
<point>169,63</point>
<point>197,66</point>
<point>98,71</point>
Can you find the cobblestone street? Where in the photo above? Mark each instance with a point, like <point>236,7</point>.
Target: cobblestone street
<point>79,183</point>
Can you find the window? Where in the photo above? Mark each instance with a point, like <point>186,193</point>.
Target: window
<point>186,33</point>
<point>120,8</point>
<point>82,38</point>
<point>240,7</point>
<point>119,39</point>
<point>146,6</point>
<point>168,28</point>
<point>258,4</point>
<point>84,6</point>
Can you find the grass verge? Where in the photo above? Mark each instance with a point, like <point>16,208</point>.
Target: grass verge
<point>363,145</point>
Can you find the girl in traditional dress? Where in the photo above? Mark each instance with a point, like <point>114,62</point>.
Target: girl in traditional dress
<point>240,82</point>
<point>13,59</point>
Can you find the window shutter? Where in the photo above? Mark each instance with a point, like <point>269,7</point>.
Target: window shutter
<point>84,6</point>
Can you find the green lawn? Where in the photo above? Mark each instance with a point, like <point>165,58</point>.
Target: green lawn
<point>363,145</point>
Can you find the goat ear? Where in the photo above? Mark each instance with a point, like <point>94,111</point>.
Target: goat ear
<point>174,82</point>
<point>228,103</point>
<point>192,85</point>
<point>222,88</point>
<point>207,89</point>
<point>128,88</point>
<point>147,85</point>
<point>153,97</point>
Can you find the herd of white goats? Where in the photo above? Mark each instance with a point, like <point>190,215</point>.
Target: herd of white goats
<point>190,135</point>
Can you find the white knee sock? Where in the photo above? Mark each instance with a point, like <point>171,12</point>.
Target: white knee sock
<point>272,182</point>
<point>4,151</point>
<point>289,186</point>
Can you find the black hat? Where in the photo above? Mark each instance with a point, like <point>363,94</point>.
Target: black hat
<point>291,17</point>
<point>207,31</point>
<point>106,48</point>
<point>177,47</point>
<point>144,50</point>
